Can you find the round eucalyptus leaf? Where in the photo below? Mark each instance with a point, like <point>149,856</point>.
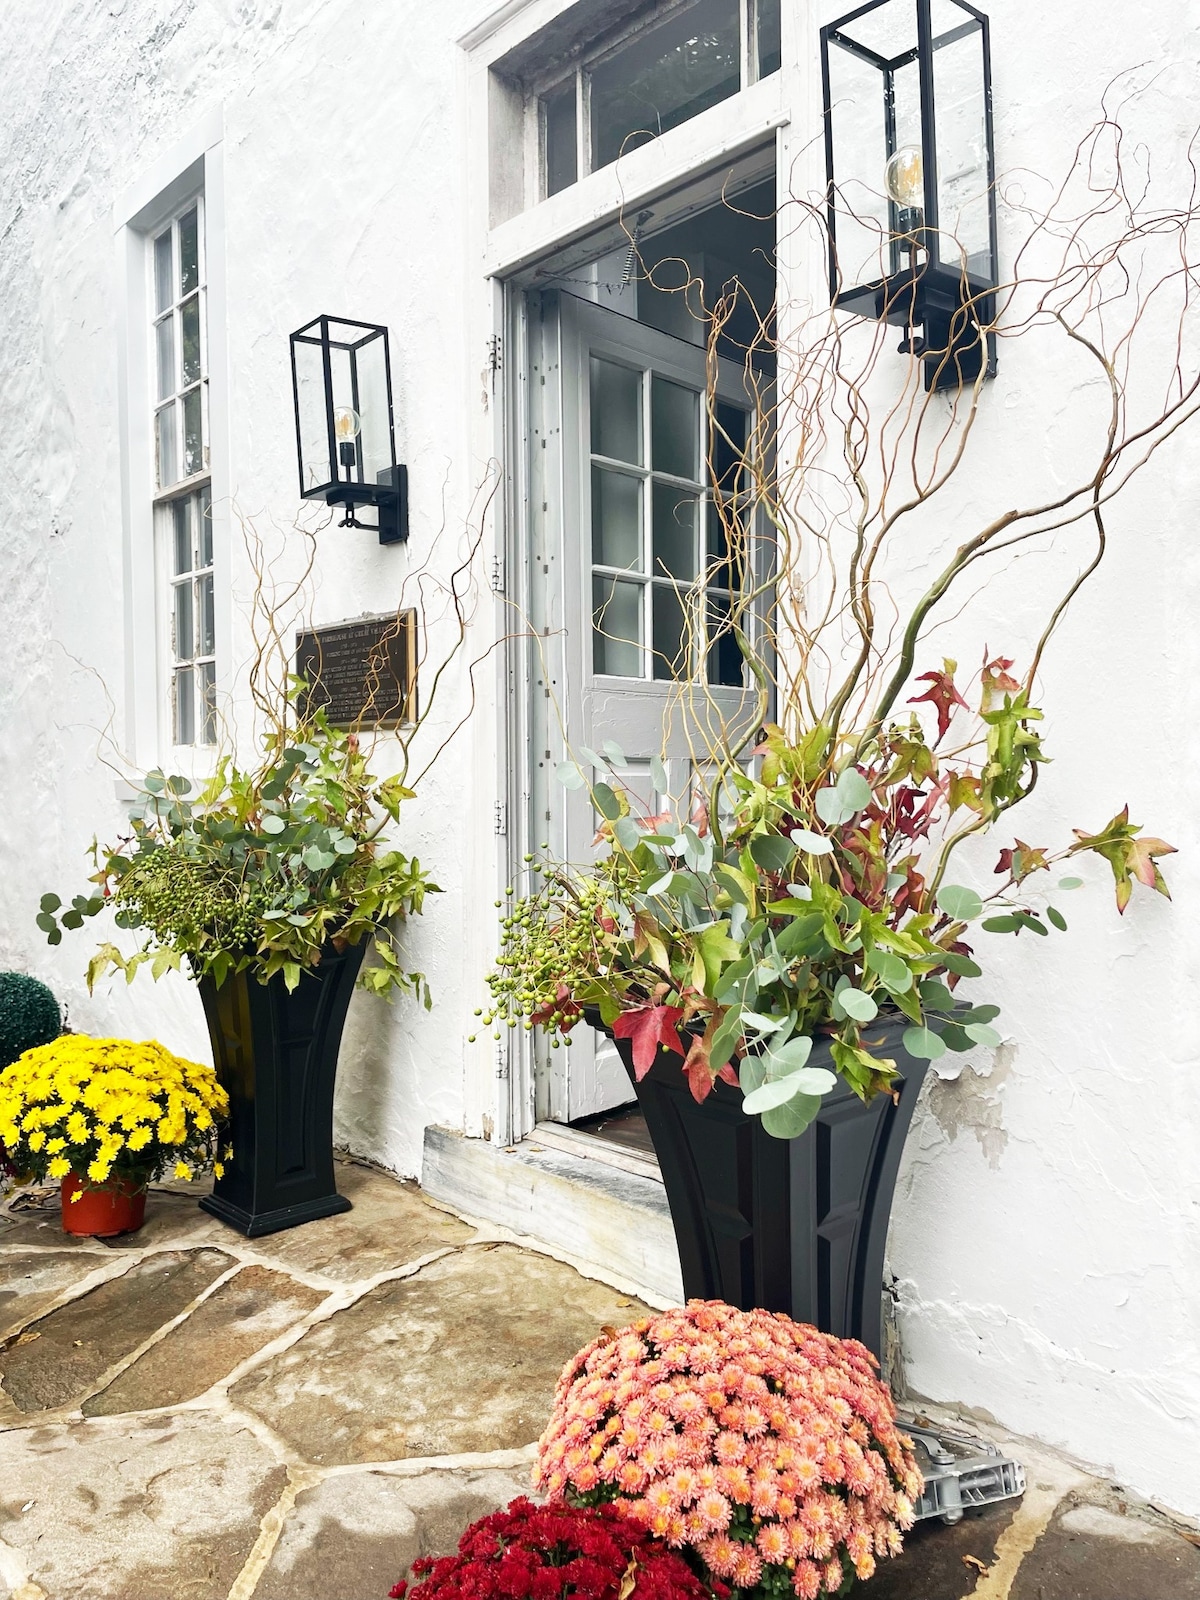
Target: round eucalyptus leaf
<point>774,1092</point>
<point>771,851</point>
<point>345,847</point>
<point>660,885</point>
<point>956,1038</point>
<point>980,1033</point>
<point>273,824</point>
<point>1070,883</point>
<point>924,1044</point>
<point>854,789</point>
<point>49,902</point>
<point>790,1057</point>
<point>964,905</point>
<point>658,774</point>
<point>153,782</point>
<point>832,808</point>
<point>813,1080</point>
<point>894,973</point>
<point>790,1120</point>
<point>606,802</point>
<point>1057,918</point>
<point>614,752</point>
<point>858,1004</point>
<point>752,1072</point>
<point>627,832</point>
<point>813,844</point>
<point>935,996</point>
<point>569,775</point>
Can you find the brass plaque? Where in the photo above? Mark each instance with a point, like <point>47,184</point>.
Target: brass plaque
<point>364,673</point>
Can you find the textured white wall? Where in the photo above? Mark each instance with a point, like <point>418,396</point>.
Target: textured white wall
<point>1045,1233</point>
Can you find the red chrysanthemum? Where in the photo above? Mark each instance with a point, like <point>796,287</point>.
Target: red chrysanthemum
<point>556,1552</point>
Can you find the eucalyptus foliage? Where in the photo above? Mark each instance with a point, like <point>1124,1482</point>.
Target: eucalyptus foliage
<point>259,869</point>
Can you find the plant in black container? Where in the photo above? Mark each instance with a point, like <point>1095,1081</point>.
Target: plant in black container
<point>782,940</point>
<point>267,886</point>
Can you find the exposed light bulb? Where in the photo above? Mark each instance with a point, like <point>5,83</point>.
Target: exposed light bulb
<point>904,177</point>
<point>347,424</point>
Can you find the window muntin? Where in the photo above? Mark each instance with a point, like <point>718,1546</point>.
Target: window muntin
<point>185,537</point>
<point>663,574</point>
<point>654,79</point>
<point>180,350</point>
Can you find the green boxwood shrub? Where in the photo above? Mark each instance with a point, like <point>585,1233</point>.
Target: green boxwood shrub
<point>29,1016</point>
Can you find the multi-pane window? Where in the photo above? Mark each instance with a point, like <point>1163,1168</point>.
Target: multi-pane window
<point>652,79</point>
<point>665,572</point>
<point>180,354</point>
<point>186,526</point>
<point>183,500</point>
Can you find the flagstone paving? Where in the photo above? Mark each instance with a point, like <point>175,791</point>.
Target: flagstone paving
<point>188,1415</point>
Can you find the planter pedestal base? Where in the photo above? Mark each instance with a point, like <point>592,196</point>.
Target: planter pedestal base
<point>255,1224</point>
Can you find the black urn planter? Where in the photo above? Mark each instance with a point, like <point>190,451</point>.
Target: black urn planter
<point>276,1054</point>
<point>795,1225</point>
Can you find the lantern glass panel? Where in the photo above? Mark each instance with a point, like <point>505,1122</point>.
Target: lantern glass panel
<point>859,132</point>
<point>963,180</point>
<point>316,468</point>
<point>371,382</point>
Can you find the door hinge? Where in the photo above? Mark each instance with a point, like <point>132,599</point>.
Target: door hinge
<point>500,821</point>
<point>497,575</point>
<point>495,352</point>
<point>502,1059</point>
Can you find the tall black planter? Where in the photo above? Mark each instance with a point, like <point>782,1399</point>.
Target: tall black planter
<point>796,1225</point>
<point>276,1053</point>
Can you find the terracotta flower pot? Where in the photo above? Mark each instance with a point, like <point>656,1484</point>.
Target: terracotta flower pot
<point>101,1212</point>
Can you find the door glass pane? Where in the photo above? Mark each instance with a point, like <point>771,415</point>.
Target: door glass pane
<point>616,519</point>
<point>164,340</point>
<point>184,635</point>
<point>163,286</point>
<point>664,76</point>
<point>204,517</point>
<point>207,695</point>
<point>193,441</point>
<point>671,638</point>
<point>728,525</point>
<point>204,594</point>
<point>728,446</point>
<point>189,253</point>
<point>769,52</point>
<point>185,722</point>
<point>724,658</point>
<point>168,465</point>
<point>674,512</point>
<point>617,627</point>
<point>616,405</point>
<point>189,366</point>
<point>562,159</point>
<point>674,429</point>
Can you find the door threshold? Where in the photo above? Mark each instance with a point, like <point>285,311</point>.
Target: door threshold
<point>575,1142</point>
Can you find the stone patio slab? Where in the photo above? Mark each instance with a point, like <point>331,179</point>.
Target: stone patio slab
<point>161,1509</point>
<point>391,1224</point>
<point>242,1316</point>
<point>461,1357</point>
<point>32,1280</point>
<point>355,1534</point>
<point>932,1566</point>
<point>63,1355</point>
<point>1092,1553</point>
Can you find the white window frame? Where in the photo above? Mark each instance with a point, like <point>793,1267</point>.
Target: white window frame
<point>174,310</point>
<point>194,167</point>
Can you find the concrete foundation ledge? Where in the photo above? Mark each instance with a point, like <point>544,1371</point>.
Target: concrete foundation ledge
<point>617,1221</point>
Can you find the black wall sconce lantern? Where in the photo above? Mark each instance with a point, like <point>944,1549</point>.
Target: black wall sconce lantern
<point>345,433</point>
<point>911,169</point>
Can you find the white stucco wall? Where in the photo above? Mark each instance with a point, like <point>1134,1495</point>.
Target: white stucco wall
<point>1045,1233</point>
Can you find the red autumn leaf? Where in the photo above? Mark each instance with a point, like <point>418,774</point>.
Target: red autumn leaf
<point>1021,860</point>
<point>648,1028</point>
<point>941,694</point>
<point>1127,855</point>
<point>698,1069</point>
<point>996,679</point>
<point>563,1004</point>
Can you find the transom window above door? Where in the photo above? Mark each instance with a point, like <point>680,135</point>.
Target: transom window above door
<point>665,573</point>
<point>659,72</point>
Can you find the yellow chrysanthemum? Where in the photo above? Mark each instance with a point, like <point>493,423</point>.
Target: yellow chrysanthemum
<point>182,1170</point>
<point>59,1167</point>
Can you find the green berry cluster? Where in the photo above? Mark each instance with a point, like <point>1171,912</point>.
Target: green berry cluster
<point>189,903</point>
